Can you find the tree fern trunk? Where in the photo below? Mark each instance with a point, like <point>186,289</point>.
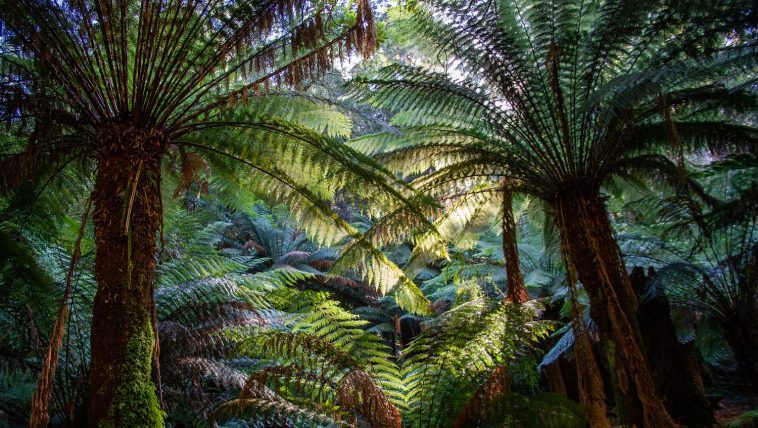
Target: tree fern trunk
<point>515,290</point>
<point>741,326</point>
<point>555,381</point>
<point>675,367</point>
<point>583,222</point>
<point>742,335</point>
<point>126,219</point>
<point>589,380</point>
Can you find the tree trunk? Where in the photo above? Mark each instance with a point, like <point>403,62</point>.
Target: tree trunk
<point>555,381</point>
<point>126,219</point>
<point>676,371</point>
<point>515,289</point>
<point>742,335</point>
<point>741,326</point>
<point>589,381</point>
<point>583,222</point>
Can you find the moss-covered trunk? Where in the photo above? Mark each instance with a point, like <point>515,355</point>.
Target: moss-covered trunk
<point>515,289</point>
<point>583,222</point>
<point>126,219</point>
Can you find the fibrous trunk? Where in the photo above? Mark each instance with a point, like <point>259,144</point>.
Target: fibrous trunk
<point>555,381</point>
<point>741,333</point>
<point>675,366</point>
<point>583,222</point>
<point>589,380</point>
<point>741,325</point>
<point>515,290</point>
<point>126,219</point>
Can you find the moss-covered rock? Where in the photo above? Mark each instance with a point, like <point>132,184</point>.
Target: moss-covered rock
<point>745,420</point>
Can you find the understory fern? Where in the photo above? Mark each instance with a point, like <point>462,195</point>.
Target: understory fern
<point>458,352</point>
<point>16,390</point>
<point>324,360</point>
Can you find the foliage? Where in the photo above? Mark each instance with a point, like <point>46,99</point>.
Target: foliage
<point>294,221</point>
<point>746,419</point>
<point>572,97</point>
<point>458,351</point>
<point>16,390</point>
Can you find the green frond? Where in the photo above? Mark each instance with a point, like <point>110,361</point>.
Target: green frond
<point>16,391</point>
<point>557,90</point>
<point>422,97</point>
<point>303,110</point>
<point>267,412</point>
<point>186,270</point>
<point>309,170</point>
<point>712,136</point>
<point>457,351</point>
<point>379,271</point>
<point>480,204</point>
<point>329,362</point>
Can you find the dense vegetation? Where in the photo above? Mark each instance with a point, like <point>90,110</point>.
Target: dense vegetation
<point>437,213</point>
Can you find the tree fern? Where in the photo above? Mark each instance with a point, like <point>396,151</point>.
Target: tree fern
<point>558,98</point>
<point>133,83</point>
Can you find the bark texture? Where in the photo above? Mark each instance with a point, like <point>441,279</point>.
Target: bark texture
<point>583,223</point>
<point>675,367</point>
<point>741,325</point>
<point>741,332</point>
<point>515,289</point>
<point>589,381</point>
<point>555,381</point>
<point>126,219</point>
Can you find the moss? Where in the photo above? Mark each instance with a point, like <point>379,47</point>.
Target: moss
<point>745,420</point>
<point>136,403</point>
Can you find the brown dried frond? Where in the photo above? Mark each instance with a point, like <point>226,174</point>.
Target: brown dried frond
<point>43,391</point>
<point>345,285</point>
<point>365,33</point>
<point>440,306</point>
<point>313,52</point>
<point>479,406</point>
<point>357,392</point>
<point>322,265</point>
<point>260,250</point>
<point>19,168</point>
<point>192,165</point>
<point>176,336</point>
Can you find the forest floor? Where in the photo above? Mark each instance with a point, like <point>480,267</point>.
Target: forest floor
<point>736,401</point>
<point>731,407</point>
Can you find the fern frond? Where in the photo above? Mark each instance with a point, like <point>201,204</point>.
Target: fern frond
<point>457,352</point>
